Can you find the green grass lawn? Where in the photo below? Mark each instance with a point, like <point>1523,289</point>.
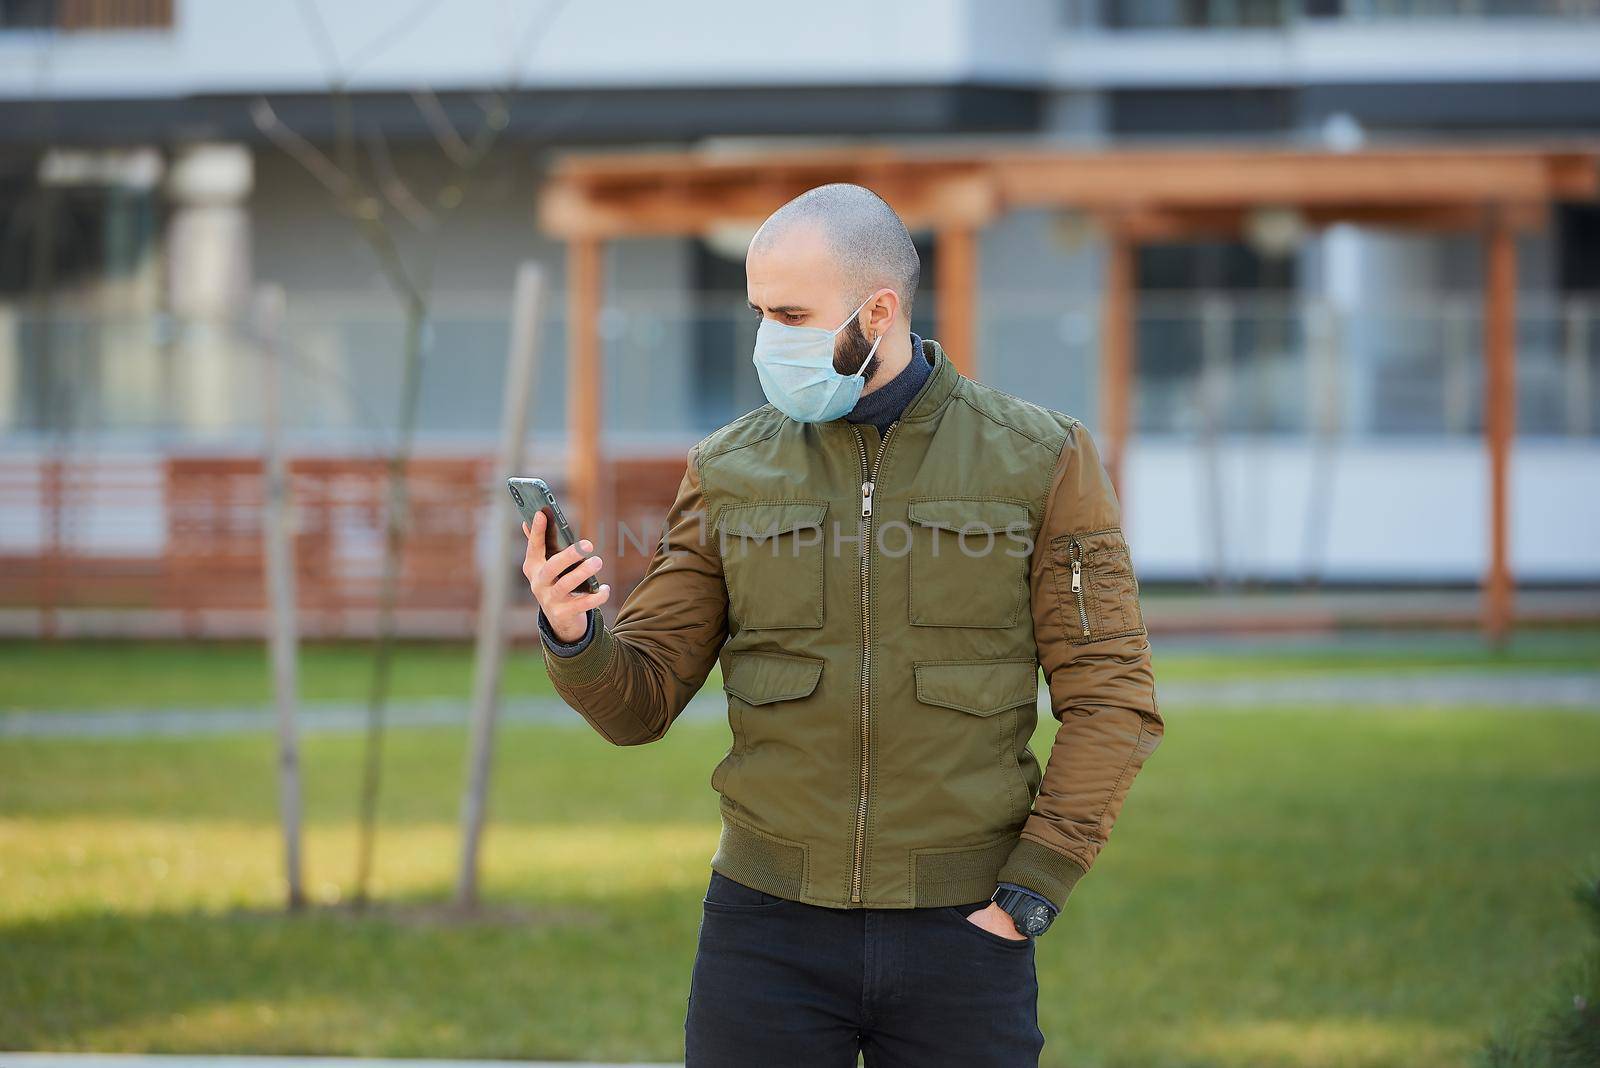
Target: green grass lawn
<point>104,674</point>
<point>1351,888</point>
<point>1394,651</point>
<point>160,674</point>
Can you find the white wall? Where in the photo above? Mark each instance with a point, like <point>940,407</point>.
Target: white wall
<point>223,46</point>
<point>1406,511</point>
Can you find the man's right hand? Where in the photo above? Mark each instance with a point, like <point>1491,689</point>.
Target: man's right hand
<point>566,611</point>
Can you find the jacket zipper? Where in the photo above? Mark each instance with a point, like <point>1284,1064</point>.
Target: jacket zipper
<point>869,478</point>
<point>1077,582</point>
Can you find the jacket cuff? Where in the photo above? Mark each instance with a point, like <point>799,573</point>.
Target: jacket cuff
<point>559,647</point>
<point>585,665</point>
<point>1042,870</point>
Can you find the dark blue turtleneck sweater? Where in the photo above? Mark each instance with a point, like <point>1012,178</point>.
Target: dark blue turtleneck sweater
<point>885,404</point>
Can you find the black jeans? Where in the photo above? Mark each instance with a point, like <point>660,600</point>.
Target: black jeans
<point>779,982</point>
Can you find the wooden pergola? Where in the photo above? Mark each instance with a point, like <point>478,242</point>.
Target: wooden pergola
<point>1135,196</point>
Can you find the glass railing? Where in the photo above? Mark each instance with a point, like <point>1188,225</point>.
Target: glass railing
<point>1262,364</point>
<point>674,370</point>
<point>1247,14</point>
<point>1453,9</point>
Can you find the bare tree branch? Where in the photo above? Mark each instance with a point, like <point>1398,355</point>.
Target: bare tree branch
<point>351,194</point>
<point>322,40</point>
<point>537,28</point>
<point>394,188</point>
<point>339,73</point>
<point>444,130</point>
<point>402,27</point>
<point>304,152</point>
<point>412,285</point>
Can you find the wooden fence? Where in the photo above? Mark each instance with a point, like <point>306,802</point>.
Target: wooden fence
<point>173,546</point>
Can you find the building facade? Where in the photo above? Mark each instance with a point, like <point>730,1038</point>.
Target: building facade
<point>161,162</point>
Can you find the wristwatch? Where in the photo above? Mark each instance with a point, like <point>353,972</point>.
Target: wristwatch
<point>1031,913</point>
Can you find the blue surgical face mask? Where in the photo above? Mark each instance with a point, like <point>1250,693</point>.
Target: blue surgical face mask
<point>795,365</point>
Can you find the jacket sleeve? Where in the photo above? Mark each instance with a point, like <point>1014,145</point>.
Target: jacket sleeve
<point>633,679</point>
<point>1095,653</point>
<point>559,647</point>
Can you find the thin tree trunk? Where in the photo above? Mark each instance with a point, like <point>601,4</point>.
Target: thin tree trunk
<point>521,372</point>
<point>280,576</point>
<point>396,521</point>
<point>367,206</point>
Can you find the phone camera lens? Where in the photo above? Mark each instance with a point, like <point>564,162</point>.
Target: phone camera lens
<point>516,496</point>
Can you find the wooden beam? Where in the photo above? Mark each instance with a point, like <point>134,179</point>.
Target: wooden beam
<point>585,291</point>
<point>677,202</point>
<point>1230,177</point>
<point>1499,406</point>
<point>1436,187</point>
<point>1117,338</point>
<point>957,295</point>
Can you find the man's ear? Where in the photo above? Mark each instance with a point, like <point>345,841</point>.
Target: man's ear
<point>881,312</point>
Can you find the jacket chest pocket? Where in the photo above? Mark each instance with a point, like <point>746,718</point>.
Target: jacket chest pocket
<point>968,562</point>
<point>772,563</point>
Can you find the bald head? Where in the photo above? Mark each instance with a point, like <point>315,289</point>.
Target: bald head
<point>863,237</point>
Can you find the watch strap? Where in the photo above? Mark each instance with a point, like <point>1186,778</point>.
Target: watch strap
<point>1031,893</point>
<point>1032,913</point>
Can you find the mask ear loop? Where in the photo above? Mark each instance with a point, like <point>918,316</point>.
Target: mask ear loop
<point>870,351</point>
<point>875,341</point>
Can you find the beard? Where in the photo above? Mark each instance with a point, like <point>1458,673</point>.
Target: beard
<point>850,348</point>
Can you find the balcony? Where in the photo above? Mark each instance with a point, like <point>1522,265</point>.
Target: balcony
<point>85,16</point>
<point>1287,43</point>
<point>1248,14</point>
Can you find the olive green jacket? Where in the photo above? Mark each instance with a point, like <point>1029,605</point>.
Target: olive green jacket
<point>881,609</point>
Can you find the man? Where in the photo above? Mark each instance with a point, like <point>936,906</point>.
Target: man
<point>881,558</point>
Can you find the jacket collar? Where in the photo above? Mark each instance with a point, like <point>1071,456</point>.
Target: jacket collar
<point>939,387</point>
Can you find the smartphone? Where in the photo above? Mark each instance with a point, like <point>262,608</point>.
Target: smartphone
<point>532,496</point>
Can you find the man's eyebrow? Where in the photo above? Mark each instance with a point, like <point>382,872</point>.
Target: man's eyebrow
<point>782,309</point>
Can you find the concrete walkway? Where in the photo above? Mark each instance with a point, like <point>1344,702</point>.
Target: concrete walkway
<point>1579,690</point>
<point>1236,610</point>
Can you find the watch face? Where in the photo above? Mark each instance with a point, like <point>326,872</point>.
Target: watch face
<point>1036,919</point>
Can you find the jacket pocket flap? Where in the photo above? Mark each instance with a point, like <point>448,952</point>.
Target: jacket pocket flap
<point>762,678</point>
<point>1096,546</point>
<point>769,520</point>
<point>982,687</point>
<point>970,517</point>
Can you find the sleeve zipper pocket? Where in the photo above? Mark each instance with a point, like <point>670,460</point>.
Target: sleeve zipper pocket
<point>1075,554</point>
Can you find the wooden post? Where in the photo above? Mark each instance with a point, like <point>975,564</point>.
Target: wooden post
<point>957,287</point>
<point>1116,352</point>
<point>493,593</point>
<point>585,287</point>
<point>283,637</point>
<point>1500,408</point>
